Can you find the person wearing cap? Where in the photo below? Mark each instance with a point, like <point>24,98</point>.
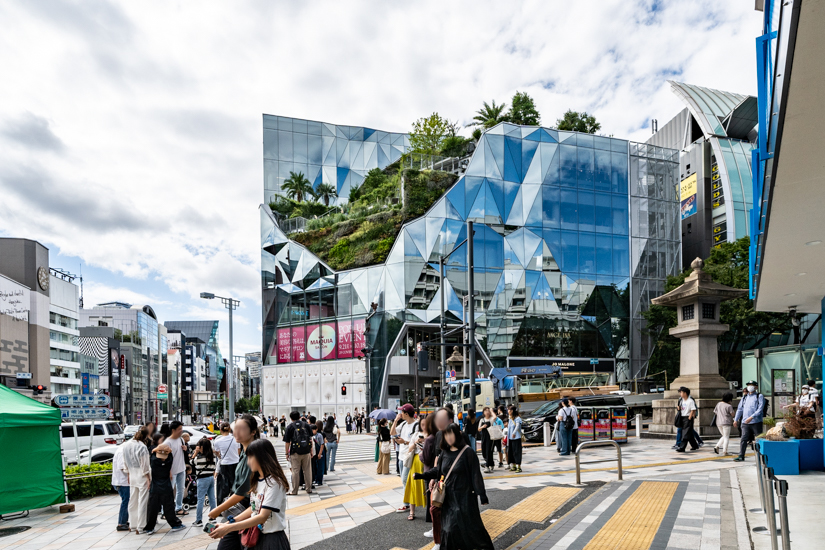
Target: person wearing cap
<point>805,401</point>
<point>405,434</point>
<point>749,417</point>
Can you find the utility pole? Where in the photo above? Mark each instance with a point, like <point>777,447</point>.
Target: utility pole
<point>471,309</point>
<point>230,304</point>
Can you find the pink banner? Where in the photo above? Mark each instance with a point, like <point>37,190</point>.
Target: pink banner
<point>321,342</point>
<point>358,326</point>
<point>298,343</point>
<point>284,346</point>
<point>345,339</point>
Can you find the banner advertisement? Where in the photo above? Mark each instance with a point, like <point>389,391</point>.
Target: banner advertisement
<point>358,341</point>
<point>284,346</point>
<point>298,343</point>
<point>321,341</point>
<point>344,339</point>
<point>687,192</point>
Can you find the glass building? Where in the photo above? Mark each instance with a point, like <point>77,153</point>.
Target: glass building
<point>574,234</point>
<point>715,132</point>
<point>336,155</point>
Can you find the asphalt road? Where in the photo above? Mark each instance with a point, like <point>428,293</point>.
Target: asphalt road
<point>394,530</point>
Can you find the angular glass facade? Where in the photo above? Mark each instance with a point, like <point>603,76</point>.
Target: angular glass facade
<point>325,153</point>
<point>574,234</point>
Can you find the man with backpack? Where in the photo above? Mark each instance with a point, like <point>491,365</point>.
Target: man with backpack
<point>298,443</point>
<point>749,414</point>
<point>567,422</point>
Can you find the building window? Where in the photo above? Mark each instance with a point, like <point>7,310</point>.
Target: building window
<point>62,320</point>
<point>687,312</point>
<point>708,311</point>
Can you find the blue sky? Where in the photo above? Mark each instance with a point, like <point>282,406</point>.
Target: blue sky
<point>130,133</point>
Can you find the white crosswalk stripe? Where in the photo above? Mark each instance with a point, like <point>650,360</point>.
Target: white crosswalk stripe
<point>356,448</point>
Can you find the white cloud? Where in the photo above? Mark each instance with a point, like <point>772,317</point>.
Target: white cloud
<point>131,132</point>
<point>98,293</point>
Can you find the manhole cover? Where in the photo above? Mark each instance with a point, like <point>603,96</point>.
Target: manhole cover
<point>9,531</point>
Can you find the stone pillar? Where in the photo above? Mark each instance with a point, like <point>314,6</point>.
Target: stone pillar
<point>697,304</point>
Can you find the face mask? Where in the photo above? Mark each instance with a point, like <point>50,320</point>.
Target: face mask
<point>751,388</point>
<point>804,392</point>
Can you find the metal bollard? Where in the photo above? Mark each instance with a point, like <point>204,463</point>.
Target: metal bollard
<point>548,436</point>
<point>782,490</point>
<point>638,426</point>
<point>761,479</point>
<point>769,511</point>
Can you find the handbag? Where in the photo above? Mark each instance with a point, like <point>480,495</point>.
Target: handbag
<point>713,420</point>
<point>495,432</point>
<point>408,459</point>
<point>386,447</point>
<point>250,536</point>
<point>439,492</point>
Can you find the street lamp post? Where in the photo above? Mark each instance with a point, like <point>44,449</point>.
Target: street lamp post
<point>230,304</point>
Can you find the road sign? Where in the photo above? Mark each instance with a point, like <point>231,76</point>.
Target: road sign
<point>68,400</point>
<point>162,388</point>
<point>24,376</point>
<point>162,396</point>
<point>594,361</point>
<point>78,413</point>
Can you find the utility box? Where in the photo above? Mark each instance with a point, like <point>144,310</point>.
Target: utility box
<point>618,424</point>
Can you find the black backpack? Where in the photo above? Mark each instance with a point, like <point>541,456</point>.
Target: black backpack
<point>301,439</point>
<point>569,423</point>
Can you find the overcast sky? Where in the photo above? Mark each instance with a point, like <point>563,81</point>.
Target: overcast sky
<point>130,132</point>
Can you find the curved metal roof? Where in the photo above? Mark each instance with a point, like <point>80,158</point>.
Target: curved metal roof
<point>709,107</point>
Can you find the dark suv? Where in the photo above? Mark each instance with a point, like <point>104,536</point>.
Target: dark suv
<point>533,422</point>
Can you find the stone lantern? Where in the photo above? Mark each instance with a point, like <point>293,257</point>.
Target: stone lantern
<point>697,309</point>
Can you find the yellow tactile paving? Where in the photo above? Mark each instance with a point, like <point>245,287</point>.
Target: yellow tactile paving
<point>537,507</point>
<point>635,523</point>
<point>387,483</point>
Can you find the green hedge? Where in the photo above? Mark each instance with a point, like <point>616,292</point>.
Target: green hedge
<point>90,486</point>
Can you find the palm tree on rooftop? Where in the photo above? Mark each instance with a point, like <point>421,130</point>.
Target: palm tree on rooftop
<point>326,192</point>
<point>297,186</point>
<point>489,115</point>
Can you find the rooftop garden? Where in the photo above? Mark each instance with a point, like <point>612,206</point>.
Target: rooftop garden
<point>362,232</point>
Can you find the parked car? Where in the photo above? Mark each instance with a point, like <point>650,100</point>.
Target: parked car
<point>534,422</point>
<point>100,454</point>
<point>107,433</point>
<point>130,431</point>
<point>196,434</point>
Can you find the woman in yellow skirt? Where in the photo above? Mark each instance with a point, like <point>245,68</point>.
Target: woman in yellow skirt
<point>414,490</point>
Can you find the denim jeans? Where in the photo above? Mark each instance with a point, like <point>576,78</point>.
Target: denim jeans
<point>332,450</point>
<point>180,487</point>
<point>206,486</point>
<point>566,437</point>
<point>405,473</point>
<point>472,443</point>
<point>123,515</point>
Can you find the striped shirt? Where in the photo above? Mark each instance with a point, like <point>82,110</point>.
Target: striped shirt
<point>203,467</point>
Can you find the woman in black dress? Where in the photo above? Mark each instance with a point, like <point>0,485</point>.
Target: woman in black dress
<point>461,525</point>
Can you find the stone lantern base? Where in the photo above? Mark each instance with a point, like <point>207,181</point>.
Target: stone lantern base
<point>705,389</point>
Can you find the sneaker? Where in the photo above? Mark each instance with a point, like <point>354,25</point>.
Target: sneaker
<point>518,469</point>
<point>429,534</point>
<point>197,523</point>
<point>716,450</point>
<point>739,459</point>
<point>680,450</point>
<point>436,547</point>
<point>123,528</point>
<point>501,465</point>
<point>675,447</point>
<point>702,444</point>
<point>180,527</point>
<point>152,532</point>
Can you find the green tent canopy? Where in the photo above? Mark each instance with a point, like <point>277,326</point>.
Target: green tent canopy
<point>31,468</point>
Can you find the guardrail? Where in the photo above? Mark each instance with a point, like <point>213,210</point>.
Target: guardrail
<point>597,444</point>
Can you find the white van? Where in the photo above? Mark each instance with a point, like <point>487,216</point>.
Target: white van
<point>107,432</point>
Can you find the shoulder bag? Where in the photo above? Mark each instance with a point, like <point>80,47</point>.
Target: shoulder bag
<point>249,537</point>
<point>439,493</point>
<point>495,432</point>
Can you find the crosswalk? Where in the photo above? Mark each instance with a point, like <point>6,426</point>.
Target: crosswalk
<point>352,448</point>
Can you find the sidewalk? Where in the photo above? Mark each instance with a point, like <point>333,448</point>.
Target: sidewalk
<point>353,497</point>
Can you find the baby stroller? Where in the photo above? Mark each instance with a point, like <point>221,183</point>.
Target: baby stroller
<point>190,493</point>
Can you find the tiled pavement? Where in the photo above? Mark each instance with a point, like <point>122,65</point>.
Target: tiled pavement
<point>354,495</point>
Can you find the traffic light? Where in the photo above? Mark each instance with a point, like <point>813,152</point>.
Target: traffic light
<point>344,389</point>
<point>38,389</point>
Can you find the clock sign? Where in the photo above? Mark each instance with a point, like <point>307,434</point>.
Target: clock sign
<point>43,278</point>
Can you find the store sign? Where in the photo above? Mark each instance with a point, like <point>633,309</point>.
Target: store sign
<point>345,340</point>
<point>284,345</point>
<point>687,192</point>
<point>358,340</point>
<point>298,343</point>
<point>321,342</point>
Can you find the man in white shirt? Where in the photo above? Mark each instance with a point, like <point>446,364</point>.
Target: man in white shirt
<point>226,448</point>
<point>575,411</point>
<point>687,413</point>
<point>175,443</point>
<point>120,481</point>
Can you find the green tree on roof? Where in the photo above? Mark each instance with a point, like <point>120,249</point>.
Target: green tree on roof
<point>523,110</point>
<point>326,192</point>
<point>489,115</point>
<point>297,186</point>
<point>428,134</point>
<point>573,121</point>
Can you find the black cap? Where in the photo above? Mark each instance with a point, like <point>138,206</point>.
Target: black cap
<point>752,383</point>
